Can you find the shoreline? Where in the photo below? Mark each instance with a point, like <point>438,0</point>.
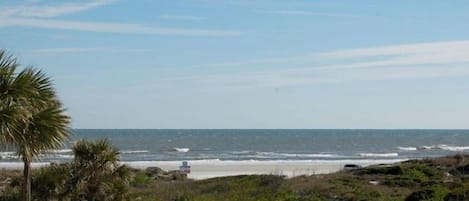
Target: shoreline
<point>205,169</point>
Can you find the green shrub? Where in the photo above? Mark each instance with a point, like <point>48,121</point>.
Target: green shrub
<point>140,180</point>
<point>392,170</point>
<point>435,193</point>
<point>48,183</point>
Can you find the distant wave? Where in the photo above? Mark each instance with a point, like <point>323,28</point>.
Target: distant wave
<point>407,148</point>
<point>134,151</point>
<point>435,147</point>
<point>262,162</point>
<point>181,150</point>
<point>379,155</point>
<point>443,147</point>
<point>51,156</point>
<point>429,147</point>
<point>243,152</point>
<point>63,156</point>
<point>59,151</point>
<point>289,155</point>
<point>453,148</point>
<point>8,155</point>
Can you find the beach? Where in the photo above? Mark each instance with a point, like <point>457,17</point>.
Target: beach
<point>215,168</point>
<point>210,169</point>
<point>205,170</point>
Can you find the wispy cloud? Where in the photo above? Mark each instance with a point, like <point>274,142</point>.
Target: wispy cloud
<point>405,54</point>
<point>451,52</point>
<point>181,17</point>
<point>47,11</point>
<point>55,51</point>
<point>405,49</point>
<point>308,13</point>
<point>39,16</point>
<point>110,27</point>
<point>394,62</point>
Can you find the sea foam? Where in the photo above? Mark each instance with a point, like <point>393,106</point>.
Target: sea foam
<point>181,150</point>
<point>379,155</point>
<point>134,151</point>
<point>407,148</point>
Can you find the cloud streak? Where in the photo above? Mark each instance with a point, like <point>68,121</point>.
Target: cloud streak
<point>47,11</point>
<point>406,49</point>
<point>39,16</point>
<point>181,17</point>
<point>394,62</point>
<point>55,51</point>
<point>308,13</point>
<point>103,27</point>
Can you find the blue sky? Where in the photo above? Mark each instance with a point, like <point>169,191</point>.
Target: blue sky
<point>249,64</point>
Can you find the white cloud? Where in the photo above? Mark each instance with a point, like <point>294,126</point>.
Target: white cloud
<point>394,62</point>
<point>55,51</point>
<point>52,10</point>
<point>406,49</point>
<point>181,17</point>
<point>308,13</point>
<point>406,54</point>
<point>110,27</point>
<point>35,16</point>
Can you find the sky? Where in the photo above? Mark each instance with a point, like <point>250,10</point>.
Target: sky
<point>249,64</point>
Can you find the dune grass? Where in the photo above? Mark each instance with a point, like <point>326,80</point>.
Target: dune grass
<point>445,178</point>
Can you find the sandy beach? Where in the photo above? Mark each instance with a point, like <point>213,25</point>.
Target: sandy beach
<point>215,168</point>
<point>203,169</point>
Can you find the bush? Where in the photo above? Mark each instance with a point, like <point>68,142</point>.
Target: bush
<point>436,193</point>
<point>48,182</point>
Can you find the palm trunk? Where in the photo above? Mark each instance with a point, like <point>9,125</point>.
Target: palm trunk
<point>27,180</point>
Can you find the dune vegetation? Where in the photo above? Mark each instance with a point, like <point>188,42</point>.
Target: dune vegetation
<point>94,177</point>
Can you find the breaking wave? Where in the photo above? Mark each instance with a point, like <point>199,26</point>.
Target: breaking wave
<point>134,151</point>
<point>379,155</point>
<point>407,148</point>
<point>180,150</point>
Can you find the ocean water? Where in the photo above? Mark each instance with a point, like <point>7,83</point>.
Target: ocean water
<point>268,145</point>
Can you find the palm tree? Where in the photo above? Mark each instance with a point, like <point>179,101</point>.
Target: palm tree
<point>32,119</point>
<point>97,173</point>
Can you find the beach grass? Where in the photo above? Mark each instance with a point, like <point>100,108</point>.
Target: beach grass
<point>445,178</point>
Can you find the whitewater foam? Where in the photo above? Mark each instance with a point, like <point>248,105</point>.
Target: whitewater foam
<point>407,148</point>
<point>302,155</point>
<point>61,151</point>
<point>8,155</point>
<point>134,151</point>
<point>453,148</point>
<point>181,150</point>
<point>443,147</point>
<point>379,155</point>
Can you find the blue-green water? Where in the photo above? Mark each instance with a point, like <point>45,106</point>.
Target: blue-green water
<point>241,145</point>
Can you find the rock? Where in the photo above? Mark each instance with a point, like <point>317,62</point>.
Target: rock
<point>155,172</point>
<point>177,175</point>
<point>160,174</point>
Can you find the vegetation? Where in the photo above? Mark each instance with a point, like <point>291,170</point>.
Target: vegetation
<point>94,174</point>
<point>439,179</point>
<point>32,119</point>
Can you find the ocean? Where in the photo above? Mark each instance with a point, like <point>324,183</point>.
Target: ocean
<point>268,145</point>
